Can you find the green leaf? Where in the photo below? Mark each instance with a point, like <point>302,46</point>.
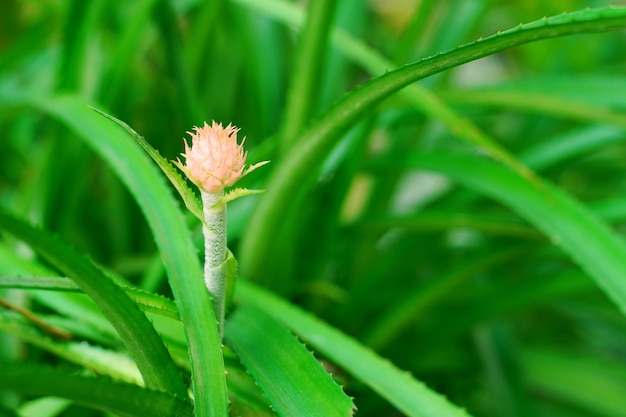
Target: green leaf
<point>97,359</point>
<point>295,171</point>
<point>291,378</point>
<point>301,96</point>
<point>102,394</point>
<point>147,301</point>
<point>191,201</point>
<point>39,283</point>
<point>172,237</point>
<point>79,309</point>
<point>138,334</point>
<point>539,102</point>
<point>566,222</point>
<point>408,395</point>
<point>573,143</point>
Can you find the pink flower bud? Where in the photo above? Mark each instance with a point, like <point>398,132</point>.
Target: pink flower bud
<point>214,160</point>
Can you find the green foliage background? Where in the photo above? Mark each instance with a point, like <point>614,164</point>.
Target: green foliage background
<point>468,228</point>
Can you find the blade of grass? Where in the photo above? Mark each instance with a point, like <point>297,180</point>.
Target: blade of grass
<point>308,64</point>
<point>39,283</point>
<point>171,234</point>
<point>143,343</point>
<point>292,175</point>
<point>293,380</point>
<point>408,395</point>
<point>114,397</point>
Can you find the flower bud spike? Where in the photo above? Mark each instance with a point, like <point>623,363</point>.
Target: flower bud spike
<point>214,161</point>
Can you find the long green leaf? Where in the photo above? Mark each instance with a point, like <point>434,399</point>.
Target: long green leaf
<point>292,379</point>
<point>410,396</point>
<point>93,358</point>
<point>102,394</point>
<point>173,239</point>
<point>567,223</point>
<point>539,102</point>
<point>191,201</point>
<point>292,175</point>
<point>301,96</point>
<point>553,150</point>
<point>78,308</point>
<point>141,339</point>
<point>146,300</point>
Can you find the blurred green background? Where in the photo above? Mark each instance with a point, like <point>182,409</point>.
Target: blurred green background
<point>449,285</point>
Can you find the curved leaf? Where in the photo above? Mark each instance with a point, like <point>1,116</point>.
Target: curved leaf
<point>408,395</point>
<point>140,337</point>
<point>585,238</point>
<point>292,379</point>
<point>172,236</point>
<point>102,394</point>
<point>191,201</point>
<point>146,300</point>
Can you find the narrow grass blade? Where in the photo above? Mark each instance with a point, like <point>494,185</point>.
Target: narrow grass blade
<point>141,339</point>
<point>293,380</point>
<point>172,237</point>
<point>102,394</point>
<point>408,395</point>
<point>39,283</point>
<point>567,223</point>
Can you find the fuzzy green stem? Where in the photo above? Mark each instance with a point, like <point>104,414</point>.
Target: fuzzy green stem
<point>215,252</point>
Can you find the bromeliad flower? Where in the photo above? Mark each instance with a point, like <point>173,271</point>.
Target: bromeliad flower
<point>215,160</point>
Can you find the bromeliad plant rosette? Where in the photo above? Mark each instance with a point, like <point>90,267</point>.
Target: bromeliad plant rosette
<point>213,162</point>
